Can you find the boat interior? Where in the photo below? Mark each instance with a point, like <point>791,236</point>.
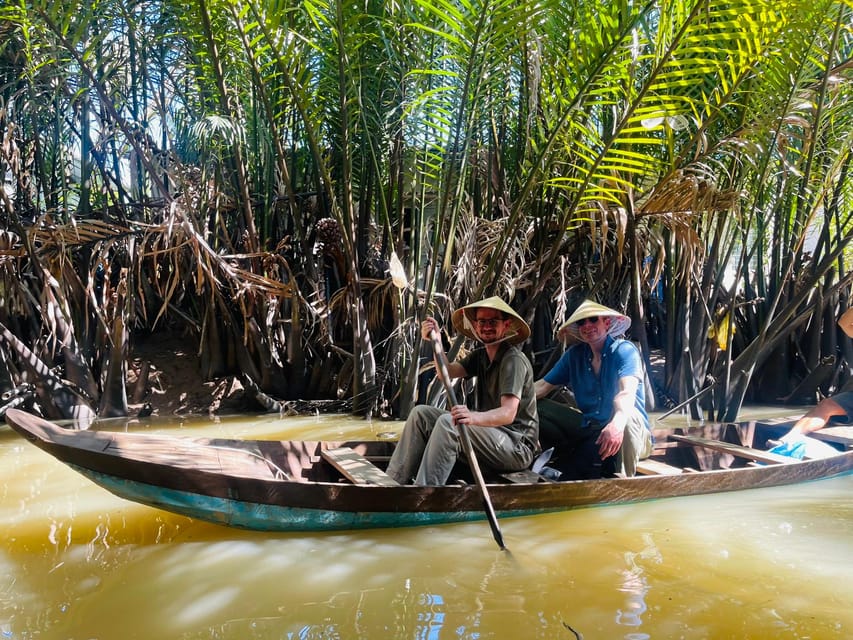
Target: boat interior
<point>676,451</point>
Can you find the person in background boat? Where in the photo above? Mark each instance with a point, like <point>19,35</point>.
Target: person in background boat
<point>503,423</point>
<point>609,432</point>
<point>839,405</point>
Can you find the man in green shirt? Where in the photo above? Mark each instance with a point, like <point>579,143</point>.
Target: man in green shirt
<point>502,422</point>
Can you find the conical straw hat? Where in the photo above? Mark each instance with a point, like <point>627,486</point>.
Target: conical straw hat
<point>619,323</point>
<point>463,320</point>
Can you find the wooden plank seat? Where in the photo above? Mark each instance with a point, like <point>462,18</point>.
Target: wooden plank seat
<point>356,468</point>
<point>842,435</point>
<point>736,450</point>
<point>649,467</point>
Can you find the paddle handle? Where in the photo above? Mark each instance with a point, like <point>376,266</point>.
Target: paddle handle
<point>443,373</point>
<point>467,445</point>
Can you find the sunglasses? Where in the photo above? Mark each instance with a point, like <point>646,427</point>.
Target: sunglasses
<point>583,321</point>
<point>488,322</point>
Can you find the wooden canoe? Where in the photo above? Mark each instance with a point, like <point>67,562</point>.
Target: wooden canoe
<point>313,486</point>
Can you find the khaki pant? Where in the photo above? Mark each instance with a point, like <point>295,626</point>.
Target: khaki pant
<point>575,450</point>
<point>430,445</point>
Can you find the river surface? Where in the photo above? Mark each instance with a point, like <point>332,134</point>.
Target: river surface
<point>77,563</point>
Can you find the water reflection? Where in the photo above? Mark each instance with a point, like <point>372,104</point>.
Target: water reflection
<point>431,618</point>
<point>76,562</point>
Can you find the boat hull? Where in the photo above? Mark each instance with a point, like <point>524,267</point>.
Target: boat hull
<point>274,517</point>
<point>281,486</point>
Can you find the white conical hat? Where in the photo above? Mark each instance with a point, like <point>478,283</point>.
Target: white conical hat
<point>463,320</point>
<point>619,323</point>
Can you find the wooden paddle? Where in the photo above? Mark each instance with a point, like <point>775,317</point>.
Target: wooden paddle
<point>466,441</point>
<point>401,281</point>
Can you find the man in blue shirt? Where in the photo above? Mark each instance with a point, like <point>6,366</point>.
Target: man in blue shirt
<point>605,373</point>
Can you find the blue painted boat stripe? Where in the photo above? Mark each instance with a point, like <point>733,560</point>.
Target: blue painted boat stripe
<point>265,517</point>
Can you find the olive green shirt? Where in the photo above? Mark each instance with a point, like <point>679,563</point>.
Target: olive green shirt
<point>509,374</point>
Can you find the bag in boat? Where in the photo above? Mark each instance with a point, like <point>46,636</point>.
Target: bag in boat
<point>804,447</point>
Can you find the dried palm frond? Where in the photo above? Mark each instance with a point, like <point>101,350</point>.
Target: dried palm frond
<point>680,204</point>
<point>56,238</point>
<point>379,296</point>
<point>477,241</point>
<point>687,192</point>
<point>179,258</point>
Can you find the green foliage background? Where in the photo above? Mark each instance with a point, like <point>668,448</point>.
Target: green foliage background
<point>244,171</point>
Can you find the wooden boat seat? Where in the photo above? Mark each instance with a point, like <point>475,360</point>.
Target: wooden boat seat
<point>649,467</point>
<point>356,468</point>
<point>736,450</point>
<point>842,435</point>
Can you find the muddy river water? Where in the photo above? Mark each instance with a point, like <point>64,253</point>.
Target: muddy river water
<point>78,563</point>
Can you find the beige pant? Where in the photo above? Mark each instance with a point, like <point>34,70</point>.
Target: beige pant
<point>430,446</point>
<point>636,445</point>
<point>561,427</point>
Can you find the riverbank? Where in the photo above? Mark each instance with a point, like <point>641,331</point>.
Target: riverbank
<point>174,384</point>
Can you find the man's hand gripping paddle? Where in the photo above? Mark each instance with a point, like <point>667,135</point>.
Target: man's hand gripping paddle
<point>466,441</point>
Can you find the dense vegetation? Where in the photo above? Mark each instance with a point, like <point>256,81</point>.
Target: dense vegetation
<point>243,172</point>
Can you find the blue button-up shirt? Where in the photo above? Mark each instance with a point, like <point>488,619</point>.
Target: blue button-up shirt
<point>594,394</point>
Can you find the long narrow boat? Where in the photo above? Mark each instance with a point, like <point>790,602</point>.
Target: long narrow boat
<point>309,486</point>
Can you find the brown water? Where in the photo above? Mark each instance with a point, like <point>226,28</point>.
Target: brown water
<point>79,563</point>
